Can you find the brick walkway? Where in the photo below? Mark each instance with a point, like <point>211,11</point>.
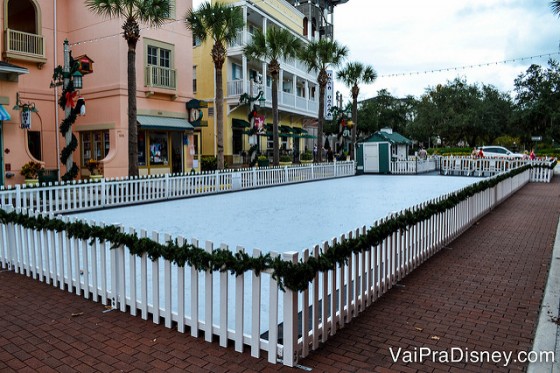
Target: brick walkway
<point>482,293</point>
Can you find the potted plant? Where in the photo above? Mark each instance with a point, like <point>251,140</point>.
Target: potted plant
<point>306,157</point>
<point>285,160</point>
<point>263,161</point>
<point>94,168</point>
<point>30,171</point>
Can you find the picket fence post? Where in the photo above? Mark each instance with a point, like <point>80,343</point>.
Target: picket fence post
<point>290,318</point>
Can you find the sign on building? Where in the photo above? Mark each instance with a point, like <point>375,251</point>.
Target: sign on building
<point>25,118</point>
<point>329,95</point>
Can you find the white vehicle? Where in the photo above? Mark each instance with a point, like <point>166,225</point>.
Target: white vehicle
<point>494,151</point>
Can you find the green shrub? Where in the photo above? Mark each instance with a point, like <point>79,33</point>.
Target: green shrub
<point>208,163</point>
<point>30,170</point>
<point>306,156</point>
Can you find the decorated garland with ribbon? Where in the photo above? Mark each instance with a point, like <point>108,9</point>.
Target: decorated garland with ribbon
<point>294,276</point>
<point>67,100</point>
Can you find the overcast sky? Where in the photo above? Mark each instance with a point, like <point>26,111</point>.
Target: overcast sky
<point>415,36</point>
<point>410,36</point>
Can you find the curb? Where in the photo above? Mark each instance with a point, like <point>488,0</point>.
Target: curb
<point>547,335</point>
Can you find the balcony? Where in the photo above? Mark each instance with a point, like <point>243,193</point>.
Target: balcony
<point>25,46</point>
<point>160,77</point>
<point>286,101</point>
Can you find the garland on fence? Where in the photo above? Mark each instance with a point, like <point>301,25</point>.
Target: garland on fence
<point>294,276</point>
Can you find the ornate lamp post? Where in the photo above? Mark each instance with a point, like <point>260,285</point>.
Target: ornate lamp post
<point>256,121</point>
<point>70,77</point>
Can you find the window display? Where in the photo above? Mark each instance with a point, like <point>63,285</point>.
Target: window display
<point>159,149</point>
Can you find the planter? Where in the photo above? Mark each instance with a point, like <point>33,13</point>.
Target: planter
<point>306,161</point>
<point>263,162</point>
<point>31,182</point>
<point>284,163</point>
<point>95,177</point>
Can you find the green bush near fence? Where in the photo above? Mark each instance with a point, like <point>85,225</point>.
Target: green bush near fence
<point>450,151</point>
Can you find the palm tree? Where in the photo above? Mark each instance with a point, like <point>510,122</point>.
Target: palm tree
<point>353,74</point>
<point>221,23</point>
<point>151,12</point>
<point>318,56</point>
<point>274,45</point>
<point>555,6</point>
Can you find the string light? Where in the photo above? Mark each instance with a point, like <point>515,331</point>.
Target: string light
<point>119,34</point>
<point>457,68</point>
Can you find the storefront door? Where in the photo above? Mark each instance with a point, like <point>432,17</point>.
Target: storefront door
<point>177,149</point>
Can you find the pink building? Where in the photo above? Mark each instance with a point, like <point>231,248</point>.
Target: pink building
<point>32,47</point>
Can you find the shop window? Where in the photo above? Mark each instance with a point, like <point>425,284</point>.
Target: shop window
<point>95,145</point>
<point>158,149</point>
<point>34,144</point>
<point>283,143</point>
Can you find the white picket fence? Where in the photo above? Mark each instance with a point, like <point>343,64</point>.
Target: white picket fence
<point>468,166</point>
<point>79,196</point>
<point>238,309</point>
<point>413,166</point>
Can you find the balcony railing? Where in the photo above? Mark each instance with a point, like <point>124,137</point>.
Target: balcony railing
<point>25,46</point>
<point>160,77</point>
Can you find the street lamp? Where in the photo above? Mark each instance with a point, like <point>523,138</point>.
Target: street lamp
<point>77,79</point>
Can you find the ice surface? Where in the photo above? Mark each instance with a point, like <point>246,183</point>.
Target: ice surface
<point>284,218</point>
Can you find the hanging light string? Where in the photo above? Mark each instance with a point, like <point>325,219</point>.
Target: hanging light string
<point>431,71</point>
<point>120,34</point>
<point>465,67</point>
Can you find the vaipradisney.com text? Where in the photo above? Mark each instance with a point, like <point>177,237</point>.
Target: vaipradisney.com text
<point>464,355</point>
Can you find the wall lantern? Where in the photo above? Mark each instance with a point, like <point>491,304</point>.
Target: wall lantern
<point>26,109</point>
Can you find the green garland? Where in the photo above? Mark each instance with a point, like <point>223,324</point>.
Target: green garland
<point>294,276</point>
<point>66,126</point>
<point>252,150</point>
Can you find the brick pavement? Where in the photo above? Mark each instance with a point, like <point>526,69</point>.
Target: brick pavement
<point>483,292</point>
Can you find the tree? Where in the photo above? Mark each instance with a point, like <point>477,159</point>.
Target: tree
<point>385,110</point>
<point>273,45</point>
<point>319,56</point>
<point>152,13</point>
<point>555,6</point>
<point>221,23</point>
<point>537,101</point>
<point>353,74</point>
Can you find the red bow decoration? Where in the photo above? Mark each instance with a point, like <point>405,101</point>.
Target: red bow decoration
<point>70,99</point>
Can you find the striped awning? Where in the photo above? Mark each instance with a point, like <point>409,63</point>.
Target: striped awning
<point>4,114</point>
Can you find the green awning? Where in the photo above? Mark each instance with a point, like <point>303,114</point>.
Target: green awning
<point>163,123</point>
<point>298,130</point>
<point>240,123</point>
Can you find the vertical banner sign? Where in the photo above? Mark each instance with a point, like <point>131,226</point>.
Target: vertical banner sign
<point>329,95</point>
<point>25,118</point>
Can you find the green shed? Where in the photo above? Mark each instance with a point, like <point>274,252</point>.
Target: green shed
<point>374,154</point>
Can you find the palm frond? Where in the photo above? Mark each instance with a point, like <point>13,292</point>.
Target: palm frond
<point>555,6</point>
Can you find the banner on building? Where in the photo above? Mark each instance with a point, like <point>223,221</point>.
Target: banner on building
<point>329,95</point>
